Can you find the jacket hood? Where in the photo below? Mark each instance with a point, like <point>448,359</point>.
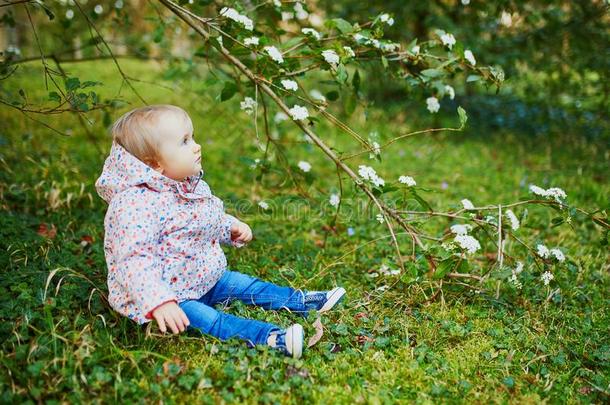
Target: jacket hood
<point>122,170</point>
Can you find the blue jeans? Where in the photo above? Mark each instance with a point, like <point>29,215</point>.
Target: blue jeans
<point>250,290</point>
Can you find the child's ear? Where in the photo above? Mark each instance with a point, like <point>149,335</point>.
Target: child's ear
<point>155,165</point>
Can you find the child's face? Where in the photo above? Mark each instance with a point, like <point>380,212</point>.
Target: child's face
<point>180,154</point>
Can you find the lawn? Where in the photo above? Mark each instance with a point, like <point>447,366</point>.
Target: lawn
<point>61,342</point>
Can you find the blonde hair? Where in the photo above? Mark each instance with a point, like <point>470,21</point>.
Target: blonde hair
<point>136,131</point>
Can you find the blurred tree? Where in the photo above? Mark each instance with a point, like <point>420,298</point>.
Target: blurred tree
<point>554,53</point>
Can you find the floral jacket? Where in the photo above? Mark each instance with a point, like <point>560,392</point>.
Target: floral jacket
<point>162,237</point>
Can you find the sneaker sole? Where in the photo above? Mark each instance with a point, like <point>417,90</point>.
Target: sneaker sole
<point>335,296</point>
<point>295,336</point>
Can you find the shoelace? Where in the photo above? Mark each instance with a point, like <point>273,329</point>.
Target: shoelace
<point>315,297</point>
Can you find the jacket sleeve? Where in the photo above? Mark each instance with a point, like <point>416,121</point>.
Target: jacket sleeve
<point>225,228</point>
<point>135,232</point>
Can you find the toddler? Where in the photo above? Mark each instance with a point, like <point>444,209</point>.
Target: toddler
<point>163,231</point>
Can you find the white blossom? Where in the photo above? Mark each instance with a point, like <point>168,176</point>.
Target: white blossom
<point>415,50</point>
<point>386,19</point>
<point>312,32</point>
<point>274,54</point>
<point>359,37</point>
<point>506,19</point>
<point>118,4</point>
<point>298,113</point>
<point>448,40</point>
<point>219,39</point>
<point>263,205</point>
<point>376,150</point>
<point>470,57</point>
<point>408,180</point>
<point>286,15</point>
<point>515,280</point>
<point>300,12</point>
<point>254,165</point>
<point>69,14</point>
<point>305,166</point>
<point>380,218</point>
<point>547,277</point>
<point>234,15</point>
<point>368,173</point>
<point>290,85</point>
<point>468,243</point>
<point>248,105</point>
<point>349,51</point>
<point>554,192</point>
<point>388,46</point>
<point>432,104</point>
<point>279,117</point>
<point>317,95</point>
<point>518,268</point>
<point>467,204</point>
<point>331,57</point>
<point>558,255</point>
<point>98,9</point>
<point>387,271</point>
<point>514,221</point>
<point>277,3</point>
<point>460,229</point>
<point>465,2</point>
<point>334,200</point>
<point>450,91</point>
<point>543,251</point>
<point>537,190</point>
<point>251,41</point>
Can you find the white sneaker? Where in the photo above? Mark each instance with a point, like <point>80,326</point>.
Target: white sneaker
<point>289,341</point>
<point>323,301</point>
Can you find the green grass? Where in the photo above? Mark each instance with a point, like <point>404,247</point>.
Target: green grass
<point>62,342</point>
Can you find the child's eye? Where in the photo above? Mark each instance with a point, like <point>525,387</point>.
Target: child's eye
<point>185,141</point>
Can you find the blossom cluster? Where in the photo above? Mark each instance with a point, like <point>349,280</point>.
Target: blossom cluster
<point>234,15</point>
<point>554,192</point>
<point>408,180</point>
<point>546,253</point>
<point>248,105</point>
<point>514,221</point>
<point>368,173</point>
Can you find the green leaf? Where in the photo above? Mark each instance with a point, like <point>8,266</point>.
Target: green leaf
<point>557,221</point>
<point>432,73</point>
<point>473,78</point>
<point>444,267</point>
<point>420,200</point>
<point>53,96</point>
<point>384,62</point>
<point>350,104</point>
<point>341,74</point>
<point>89,83</point>
<point>332,95</point>
<point>356,81</point>
<point>72,83</point>
<point>463,116</point>
<point>228,91</point>
<point>342,25</point>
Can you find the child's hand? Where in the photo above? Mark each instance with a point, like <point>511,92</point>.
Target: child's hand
<point>172,315</point>
<point>240,233</point>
